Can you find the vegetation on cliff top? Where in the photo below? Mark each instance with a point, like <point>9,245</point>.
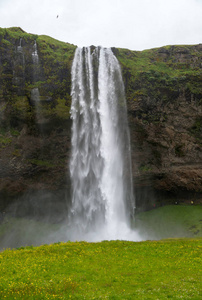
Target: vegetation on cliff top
<point>165,70</point>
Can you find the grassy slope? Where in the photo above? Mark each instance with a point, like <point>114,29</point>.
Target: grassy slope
<point>107,270</point>
<point>170,221</point>
<point>148,72</point>
<point>151,60</point>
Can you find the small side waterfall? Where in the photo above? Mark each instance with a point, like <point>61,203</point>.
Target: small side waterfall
<point>35,56</point>
<point>19,48</point>
<point>100,167</point>
<point>21,52</point>
<point>35,95</point>
<point>19,66</point>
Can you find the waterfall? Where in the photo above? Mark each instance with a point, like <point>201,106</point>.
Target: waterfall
<point>19,66</point>
<point>35,59</point>
<point>21,52</point>
<point>19,48</point>
<point>35,93</point>
<point>35,56</point>
<point>100,166</point>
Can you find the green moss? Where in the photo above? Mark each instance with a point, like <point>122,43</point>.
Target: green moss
<point>6,42</point>
<point>16,30</point>
<point>55,50</point>
<point>159,73</point>
<point>62,109</point>
<point>53,74</point>
<point>41,163</point>
<point>21,103</point>
<point>4,141</point>
<point>14,132</point>
<point>145,168</point>
<point>16,153</point>
<point>14,34</point>
<point>5,136</point>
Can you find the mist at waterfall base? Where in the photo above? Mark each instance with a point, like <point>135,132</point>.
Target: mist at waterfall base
<point>100,168</point>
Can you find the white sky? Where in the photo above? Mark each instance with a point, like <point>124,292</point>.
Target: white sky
<point>132,24</point>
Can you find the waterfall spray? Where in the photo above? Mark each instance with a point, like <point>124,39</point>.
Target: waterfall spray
<point>100,167</point>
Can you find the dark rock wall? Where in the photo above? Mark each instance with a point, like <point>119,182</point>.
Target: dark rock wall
<point>35,128</point>
<point>163,92</point>
<point>164,95</point>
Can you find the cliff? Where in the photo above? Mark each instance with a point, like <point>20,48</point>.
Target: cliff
<point>163,93</point>
<point>164,97</point>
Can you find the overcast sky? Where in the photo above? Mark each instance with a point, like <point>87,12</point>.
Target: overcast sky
<point>132,24</point>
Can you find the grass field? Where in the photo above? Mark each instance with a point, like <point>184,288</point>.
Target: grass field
<point>166,269</point>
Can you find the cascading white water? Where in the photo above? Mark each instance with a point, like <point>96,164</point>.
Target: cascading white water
<point>19,48</point>
<point>100,167</point>
<point>35,93</point>
<point>19,66</point>
<point>35,59</point>
<point>20,51</point>
<point>35,56</point>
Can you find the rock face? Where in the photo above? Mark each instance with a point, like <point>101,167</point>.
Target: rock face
<point>163,89</point>
<point>164,98</point>
<point>35,128</point>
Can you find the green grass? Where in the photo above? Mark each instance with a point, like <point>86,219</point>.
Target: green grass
<point>170,221</point>
<point>59,51</point>
<point>15,33</point>
<point>167,269</point>
<point>151,62</point>
<point>148,73</point>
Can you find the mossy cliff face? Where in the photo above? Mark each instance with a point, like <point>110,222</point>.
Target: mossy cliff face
<point>35,127</point>
<point>164,97</point>
<point>163,92</point>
